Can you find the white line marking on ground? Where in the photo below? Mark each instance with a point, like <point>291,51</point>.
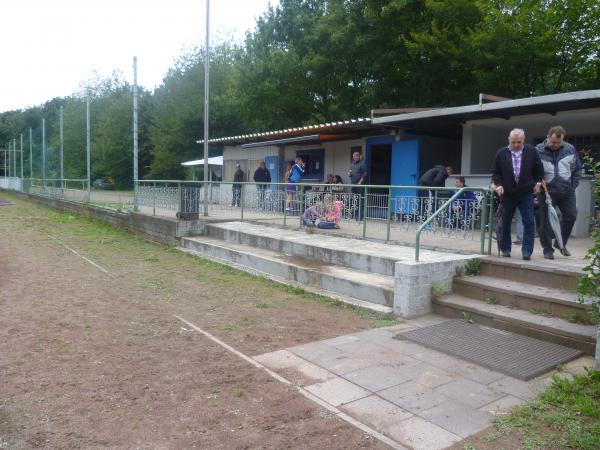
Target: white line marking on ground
<point>352,421</point>
<point>81,256</point>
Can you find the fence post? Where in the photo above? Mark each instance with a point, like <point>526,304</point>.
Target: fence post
<point>389,214</point>
<point>154,199</point>
<point>365,210</point>
<point>179,198</point>
<point>242,201</point>
<point>490,221</point>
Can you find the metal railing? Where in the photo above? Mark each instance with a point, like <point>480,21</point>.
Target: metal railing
<point>390,213</point>
<point>382,212</point>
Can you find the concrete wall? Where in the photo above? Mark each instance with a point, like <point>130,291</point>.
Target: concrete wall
<point>162,230</point>
<point>414,281</point>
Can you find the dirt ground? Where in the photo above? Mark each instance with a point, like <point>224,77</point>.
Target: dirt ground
<point>90,359</point>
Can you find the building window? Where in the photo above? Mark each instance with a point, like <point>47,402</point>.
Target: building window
<point>314,161</point>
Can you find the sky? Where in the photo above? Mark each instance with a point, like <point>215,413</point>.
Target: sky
<point>49,47</point>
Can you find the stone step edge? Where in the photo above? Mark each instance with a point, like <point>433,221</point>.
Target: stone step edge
<point>246,250</point>
<point>308,244</point>
<point>523,289</point>
<point>586,333</point>
<point>310,289</point>
<point>505,262</point>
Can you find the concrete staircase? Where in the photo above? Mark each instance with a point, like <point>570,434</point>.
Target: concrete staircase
<point>356,272</point>
<point>536,299</point>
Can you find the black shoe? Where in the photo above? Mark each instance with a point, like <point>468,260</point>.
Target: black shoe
<point>548,255</point>
<point>527,257</point>
<point>517,242</point>
<point>506,254</point>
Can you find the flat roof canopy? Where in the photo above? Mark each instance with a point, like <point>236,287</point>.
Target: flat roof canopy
<point>449,118</point>
<point>214,161</point>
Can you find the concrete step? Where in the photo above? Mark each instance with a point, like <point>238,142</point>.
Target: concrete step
<point>542,300</point>
<point>551,329</point>
<point>361,255</point>
<point>358,284</point>
<point>539,272</point>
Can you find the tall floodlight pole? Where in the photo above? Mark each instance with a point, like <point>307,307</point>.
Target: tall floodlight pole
<point>62,147</point>
<point>15,157</point>
<point>21,159</point>
<point>206,115</point>
<point>5,160</point>
<point>44,152</point>
<point>30,153</point>
<point>9,162</point>
<point>135,134</point>
<point>88,145</point>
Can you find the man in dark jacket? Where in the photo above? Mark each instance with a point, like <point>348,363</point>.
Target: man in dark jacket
<point>517,176</point>
<point>358,176</point>
<point>262,177</point>
<point>562,172</point>
<point>238,179</point>
<point>434,177</point>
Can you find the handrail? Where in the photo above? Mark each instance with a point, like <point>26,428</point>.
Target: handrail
<point>439,211</point>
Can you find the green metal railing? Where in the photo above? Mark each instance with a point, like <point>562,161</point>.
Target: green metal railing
<point>379,205</point>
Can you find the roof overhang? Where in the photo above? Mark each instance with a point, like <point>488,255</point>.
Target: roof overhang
<point>329,131</point>
<point>456,116</point>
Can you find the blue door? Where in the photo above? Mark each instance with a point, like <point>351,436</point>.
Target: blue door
<point>272,165</point>
<point>405,169</point>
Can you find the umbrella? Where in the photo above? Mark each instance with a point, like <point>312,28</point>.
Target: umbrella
<point>553,219</point>
<point>498,223</point>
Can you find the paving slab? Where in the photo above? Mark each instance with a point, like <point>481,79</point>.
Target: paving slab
<point>501,406</point>
<point>420,434</point>
<point>471,371</point>
<point>376,378</point>
<point>314,350</point>
<point>341,364</point>
<point>412,396</point>
<point>458,418</point>
<point>469,392</point>
<point>377,412</point>
<point>426,375</point>
<point>337,391</point>
<point>518,388</point>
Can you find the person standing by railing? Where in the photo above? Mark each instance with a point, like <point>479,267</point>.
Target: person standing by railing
<point>358,175</point>
<point>293,177</point>
<point>262,177</point>
<point>238,179</point>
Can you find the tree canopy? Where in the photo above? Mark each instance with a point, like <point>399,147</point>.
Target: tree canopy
<point>320,60</point>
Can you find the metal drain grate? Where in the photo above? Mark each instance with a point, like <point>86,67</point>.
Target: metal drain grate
<point>518,356</point>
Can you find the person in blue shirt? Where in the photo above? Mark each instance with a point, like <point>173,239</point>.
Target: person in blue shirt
<point>462,208</point>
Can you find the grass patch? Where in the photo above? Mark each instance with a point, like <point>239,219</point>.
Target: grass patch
<point>262,305</point>
<point>541,312</point>
<point>473,267</point>
<point>491,300</point>
<point>437,290</point>
<point>152,258</point>
<point>239,393</point>
<point>581,317</point>
<point>566,415</point>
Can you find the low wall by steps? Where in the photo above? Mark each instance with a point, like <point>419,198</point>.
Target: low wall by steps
<point>162,230</point>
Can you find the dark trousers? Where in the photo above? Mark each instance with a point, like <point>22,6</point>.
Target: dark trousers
<point>237,194</point>
<point>260,190</point>
<point>525,204</point>
<point>359,195</point>
<point>565,202</point>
